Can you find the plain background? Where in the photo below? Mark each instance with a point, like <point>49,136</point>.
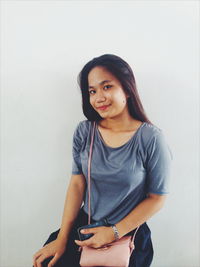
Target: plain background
<point>44,45</point>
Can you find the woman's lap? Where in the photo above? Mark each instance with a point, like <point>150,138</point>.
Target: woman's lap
<point>71,256</point>
<point>141,257</point>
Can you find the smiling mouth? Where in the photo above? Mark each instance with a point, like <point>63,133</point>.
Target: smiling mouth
<point>103,107</point>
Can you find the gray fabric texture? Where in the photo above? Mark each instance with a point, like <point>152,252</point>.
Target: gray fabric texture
<point>122,177</point>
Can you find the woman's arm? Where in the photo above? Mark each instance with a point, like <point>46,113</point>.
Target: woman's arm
<point>73,201</point>
<point>141,213</point>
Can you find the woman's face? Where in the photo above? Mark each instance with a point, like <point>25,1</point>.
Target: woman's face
<point>107,96</point>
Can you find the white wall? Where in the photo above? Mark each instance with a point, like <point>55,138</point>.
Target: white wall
<point>44,45</point>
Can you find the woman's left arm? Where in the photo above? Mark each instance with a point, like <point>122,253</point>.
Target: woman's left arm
<point>141,213</point>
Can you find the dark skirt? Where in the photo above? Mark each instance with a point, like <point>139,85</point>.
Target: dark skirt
<point>141,257</point>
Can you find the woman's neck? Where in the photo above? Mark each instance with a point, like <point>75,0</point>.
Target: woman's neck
<point>119,124</point>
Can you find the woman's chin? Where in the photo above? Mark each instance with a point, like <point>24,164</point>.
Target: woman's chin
<point>104,114</point>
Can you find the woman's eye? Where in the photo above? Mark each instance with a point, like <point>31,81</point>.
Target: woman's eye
<point>91,92</point>
<point>108,86</point>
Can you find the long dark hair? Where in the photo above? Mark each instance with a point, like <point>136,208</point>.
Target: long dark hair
<point>123,72</point>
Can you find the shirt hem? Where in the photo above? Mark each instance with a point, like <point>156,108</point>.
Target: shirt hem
<point>158,193</point>
<point>77,173</point>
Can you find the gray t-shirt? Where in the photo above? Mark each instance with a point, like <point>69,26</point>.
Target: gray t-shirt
<point>121,177</point>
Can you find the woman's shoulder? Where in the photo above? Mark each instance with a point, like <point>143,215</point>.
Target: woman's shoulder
<point>154,139</point>
<point>150,132</point>
<point>84,125</point>
<point>150,129</point>
<point>82,129</point>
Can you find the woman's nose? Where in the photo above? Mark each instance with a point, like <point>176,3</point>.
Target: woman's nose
<point>100,97</point>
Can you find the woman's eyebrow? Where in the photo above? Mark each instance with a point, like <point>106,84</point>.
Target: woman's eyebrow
<point>105,81</point>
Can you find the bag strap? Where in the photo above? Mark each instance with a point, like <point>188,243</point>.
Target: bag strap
<point>89,168</point>
<point>133,236</point>
<point>89,180</point>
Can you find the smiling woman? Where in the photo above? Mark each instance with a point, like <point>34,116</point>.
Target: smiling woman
<point>108,97</point>
<point>103,72</point>
<point>130,169</point>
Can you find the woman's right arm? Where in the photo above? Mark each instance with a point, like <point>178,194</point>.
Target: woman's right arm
<point>73,201</point>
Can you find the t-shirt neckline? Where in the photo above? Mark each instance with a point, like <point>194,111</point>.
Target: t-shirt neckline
<point>132,137</point>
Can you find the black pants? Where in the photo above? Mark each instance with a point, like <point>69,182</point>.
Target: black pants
<point>141,257</point>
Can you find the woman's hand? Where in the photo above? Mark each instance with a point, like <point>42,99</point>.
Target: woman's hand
<point>55,248</point>
<point>103,235</point>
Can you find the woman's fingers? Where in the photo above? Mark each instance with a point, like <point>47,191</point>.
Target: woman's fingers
<point>35,257</point>
<point>93,230</point>
<point>91,242</point>
<point>40,260</point>
<point>102,236</point>
<point>39,257</point>
<point>83,243</point>
<point>53,261</point>
<point>54,249</point>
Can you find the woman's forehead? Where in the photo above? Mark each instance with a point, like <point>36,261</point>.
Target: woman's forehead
<point>99,75</point>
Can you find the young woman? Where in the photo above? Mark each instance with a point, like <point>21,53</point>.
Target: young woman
<point>130,168</point>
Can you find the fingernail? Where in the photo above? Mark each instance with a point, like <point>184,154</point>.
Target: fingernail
<point>82,231</point>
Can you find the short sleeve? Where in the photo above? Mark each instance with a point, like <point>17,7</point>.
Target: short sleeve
<point>76,148</point>
<point>158,165</point>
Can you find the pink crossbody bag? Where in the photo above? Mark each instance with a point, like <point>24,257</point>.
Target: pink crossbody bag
<point>115,254</point>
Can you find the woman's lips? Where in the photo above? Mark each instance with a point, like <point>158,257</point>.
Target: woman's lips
<point>103,107</point>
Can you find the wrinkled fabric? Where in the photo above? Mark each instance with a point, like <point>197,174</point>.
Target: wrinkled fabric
<point>121,177</point>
